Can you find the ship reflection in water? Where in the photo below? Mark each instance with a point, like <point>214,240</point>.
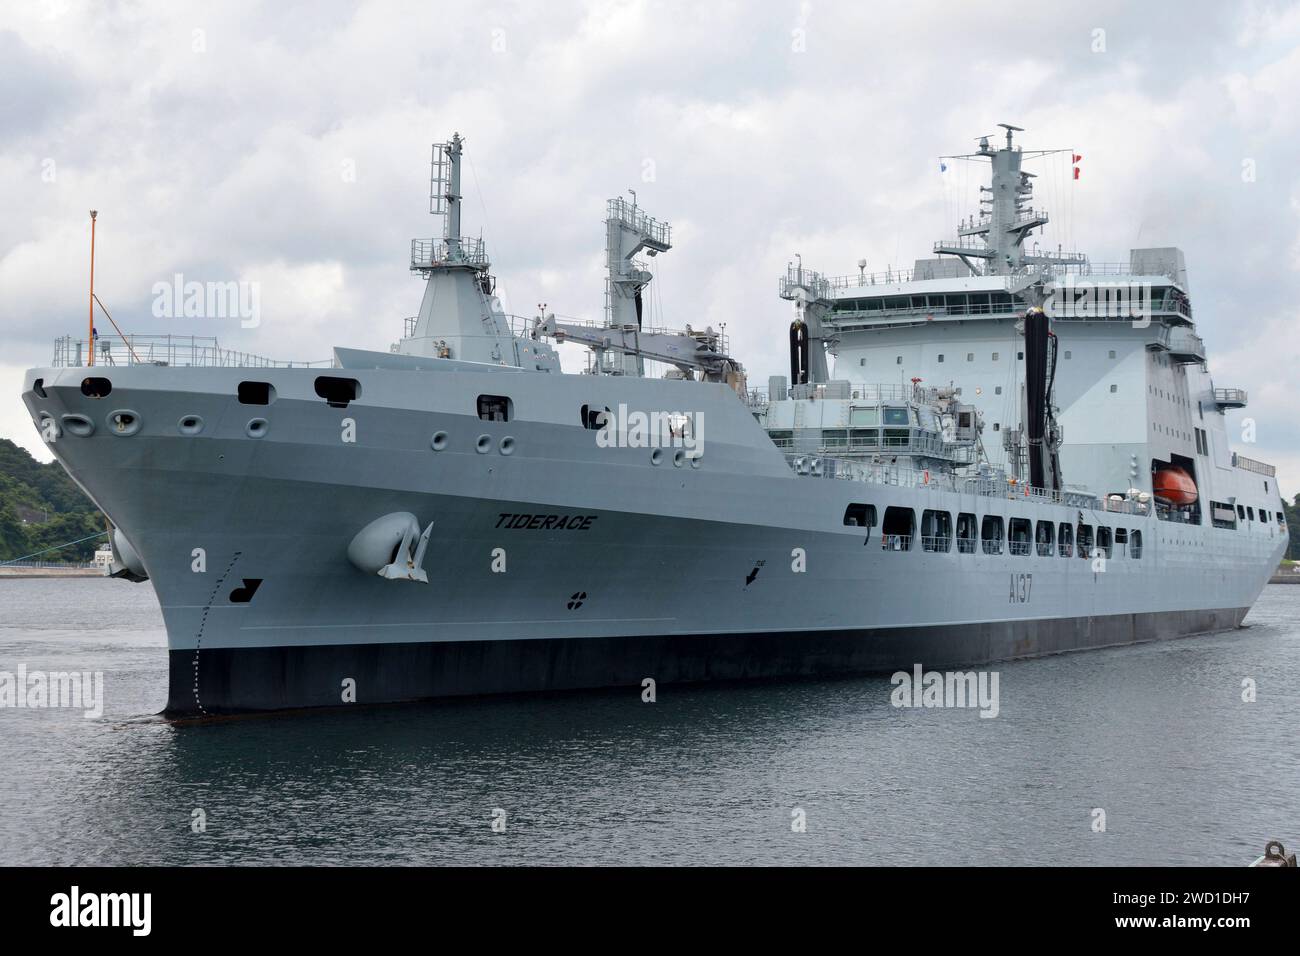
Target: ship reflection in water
<point>1157,735</point>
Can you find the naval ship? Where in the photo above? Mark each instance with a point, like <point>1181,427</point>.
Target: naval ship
<point>1015,454</point>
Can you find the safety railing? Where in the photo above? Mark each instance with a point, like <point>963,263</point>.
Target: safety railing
<point>895,542</point>
<point>1079,268</point>
<point>165,350</point>
<point>966,545</point>
<point>938,543</point>
<point>621,210</point>
<point>431,253</point>
<point>1018,547</point>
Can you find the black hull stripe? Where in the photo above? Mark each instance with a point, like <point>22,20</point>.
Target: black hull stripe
<point>260,679</point>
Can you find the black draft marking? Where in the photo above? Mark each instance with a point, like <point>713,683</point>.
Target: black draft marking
<point>576,600</point>
<point>203,622</point>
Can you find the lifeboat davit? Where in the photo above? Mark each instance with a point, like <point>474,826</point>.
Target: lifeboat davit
<point>1174,486</point>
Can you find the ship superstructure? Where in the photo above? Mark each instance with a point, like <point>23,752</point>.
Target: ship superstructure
<point>969,462</point>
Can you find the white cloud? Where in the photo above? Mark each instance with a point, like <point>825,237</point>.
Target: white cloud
<point>227,162</point>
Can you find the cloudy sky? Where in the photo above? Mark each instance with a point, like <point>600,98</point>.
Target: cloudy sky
<point>287,145</point>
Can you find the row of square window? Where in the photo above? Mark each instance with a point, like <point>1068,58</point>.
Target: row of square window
<point>899,529</point>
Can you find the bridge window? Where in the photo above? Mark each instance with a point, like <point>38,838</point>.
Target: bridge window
<point>991,534</point>
<point>896,532</point>
<point>1019,535</point>
<point>495,408</point>
<point>1135,545</point>
<point>1084,540</point>
<point>966,533</point>
<point>1065,540</point>
<point>936,530</point>
<point>940,356</point>
<point>1043,535</point>
<point>1241,512</point>
<point>1250,512</point>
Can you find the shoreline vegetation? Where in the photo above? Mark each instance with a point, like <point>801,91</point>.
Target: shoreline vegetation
<point>41,507</point>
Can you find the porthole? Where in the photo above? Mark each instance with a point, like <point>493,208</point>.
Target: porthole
<point>507,446</point>
<point>695,462</point>
<point>78,425</point>
<point>483,445</point>
<point>679,458</point>
<point>123,422</point>
<point>439,441</point>
<point>190,425</point>
<point>656,456</point>
<point>256,428</point>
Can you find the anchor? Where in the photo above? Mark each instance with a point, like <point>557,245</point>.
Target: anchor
<point>392,546</point>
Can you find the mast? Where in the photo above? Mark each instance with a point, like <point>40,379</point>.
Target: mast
<point>993,241</point>
<point>460,317</point>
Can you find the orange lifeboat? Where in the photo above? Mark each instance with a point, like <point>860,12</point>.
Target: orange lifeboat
<point>1174,486</point>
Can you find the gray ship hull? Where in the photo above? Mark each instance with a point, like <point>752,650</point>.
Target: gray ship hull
<point>615,568</point>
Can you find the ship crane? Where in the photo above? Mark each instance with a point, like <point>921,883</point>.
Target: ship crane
<point>688,351</point>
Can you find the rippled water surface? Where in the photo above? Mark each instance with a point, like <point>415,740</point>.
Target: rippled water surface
<point>1156,735</point>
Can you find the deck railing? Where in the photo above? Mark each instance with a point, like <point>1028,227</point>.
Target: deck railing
<point>170,350</point>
